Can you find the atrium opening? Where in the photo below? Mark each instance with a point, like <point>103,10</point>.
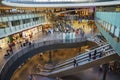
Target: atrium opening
<point>59,39</point>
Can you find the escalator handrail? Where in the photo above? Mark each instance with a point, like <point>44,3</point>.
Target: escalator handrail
<point>86,59</point>
<point>86,53</point>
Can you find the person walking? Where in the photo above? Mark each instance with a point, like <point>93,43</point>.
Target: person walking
<point>89,56</point>
<point>94,55</point>
<point>30,77</point>
<point>101,54</point>
<point>75,62</point>
<point>8,52</point>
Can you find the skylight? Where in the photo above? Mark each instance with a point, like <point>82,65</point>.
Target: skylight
<point>51,0</point>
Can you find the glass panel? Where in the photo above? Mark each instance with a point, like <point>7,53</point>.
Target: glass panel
<point>15,23</point>
<point>3,24</point>
<point>36,19</point>
<point>26,21</point>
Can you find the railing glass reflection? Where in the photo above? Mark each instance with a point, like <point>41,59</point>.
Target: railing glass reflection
<point>33,46</point>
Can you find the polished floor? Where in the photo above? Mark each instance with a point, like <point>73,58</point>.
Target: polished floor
<point>40,37</point>
<point>93,74</point>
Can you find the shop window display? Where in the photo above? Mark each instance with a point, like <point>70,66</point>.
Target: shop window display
<point>39,28</point>
<point>16,38</point>
<point>46,28</point>
<point>4,43</point>
<point>28,34</point>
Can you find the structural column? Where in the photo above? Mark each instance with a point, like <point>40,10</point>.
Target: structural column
<point>50,56</point>
<point>10,25</point>
<point>31,22</point>
<point>105,67</point>
<point>21,24</point>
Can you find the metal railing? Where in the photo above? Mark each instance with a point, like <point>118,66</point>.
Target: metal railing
<point>33,46</point>
<point>109,38</point>
<point>106,50</point>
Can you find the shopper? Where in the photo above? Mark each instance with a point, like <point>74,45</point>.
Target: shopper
<point>94,55</point>
<point>75,62</point>
<point>101,53</point>
<point>41,54</point>
<point>8,52</point>
<point>30,43</point>
<point>11,50</point>
<point>20,43</point>
<point>89,56</point>
<point>30,77</point>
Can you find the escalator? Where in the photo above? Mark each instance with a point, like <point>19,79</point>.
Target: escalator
<point>100,55</point>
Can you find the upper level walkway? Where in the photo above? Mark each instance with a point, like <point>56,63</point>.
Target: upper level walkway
<point>40,40</point>
<point>41,44</point>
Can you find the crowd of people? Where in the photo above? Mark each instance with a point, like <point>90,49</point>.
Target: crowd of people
<point>67,35</point>
<point>12,45</point>
<point>94,55</point>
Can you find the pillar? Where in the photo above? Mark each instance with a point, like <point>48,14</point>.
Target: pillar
<point>21,23</point>
<point>31,21</point>
<point>105,68</point>
<point>10,25</point>
<point>50,56</point>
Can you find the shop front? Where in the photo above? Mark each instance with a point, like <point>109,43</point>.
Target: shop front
<point>16,38</point>
<point>40,28</point>
<point>28,34</point>
<point>47,28</point>
<point>4,43</point>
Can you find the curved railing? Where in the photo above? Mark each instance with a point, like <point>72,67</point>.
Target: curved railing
<point>82,57</point>
<point>35,46</point>
<point>36,3</point>
<point>55,1</point>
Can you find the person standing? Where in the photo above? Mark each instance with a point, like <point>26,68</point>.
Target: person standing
<point>94,55</point>
<point>8,52</point>
<point>30,77</point>
<point>101,53</point>
<point>75,62</point>
<point>89,56</point>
